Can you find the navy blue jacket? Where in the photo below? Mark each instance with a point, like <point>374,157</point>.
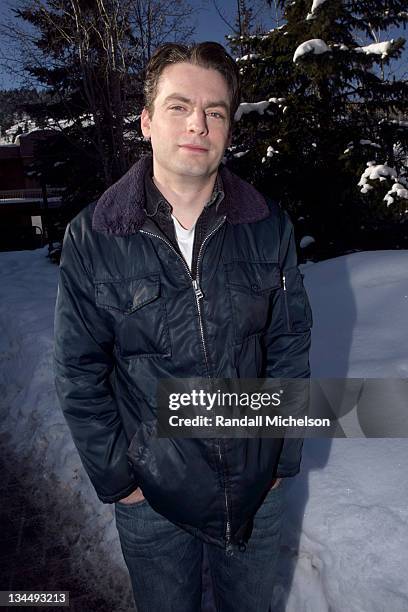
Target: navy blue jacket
<point>128,313</point>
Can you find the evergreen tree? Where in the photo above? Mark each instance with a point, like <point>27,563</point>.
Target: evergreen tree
<point>326,106</point>
<point>13,103</point>
<point>89,56</point>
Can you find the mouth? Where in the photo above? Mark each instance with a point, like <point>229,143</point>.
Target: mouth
<point>193,148</point>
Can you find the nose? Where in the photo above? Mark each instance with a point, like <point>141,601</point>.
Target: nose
<point>197,123</point>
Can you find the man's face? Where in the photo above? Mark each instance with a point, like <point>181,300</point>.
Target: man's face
<point>190,126</point>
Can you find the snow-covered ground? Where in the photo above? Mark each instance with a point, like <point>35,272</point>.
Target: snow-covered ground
<point>346,531</point>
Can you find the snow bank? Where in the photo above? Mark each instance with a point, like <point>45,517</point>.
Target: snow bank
<point>346,526</point>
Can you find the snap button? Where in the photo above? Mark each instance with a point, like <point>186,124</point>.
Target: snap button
<point>255,287</point>
<point>241,546</point>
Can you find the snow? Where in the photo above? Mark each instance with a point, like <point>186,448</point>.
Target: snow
<point>29,126</point>
<point>314,45</point>
<point>369,143</point>
<point>363,142</point>
<point>399,122</point>
<point>241,153</point>
<point>52,201</point>
<point>250,56</point>
<point>259,107</point>
<point>270,151</point>
<point>382,48</point>
<point>346,525</point>
<point>248,107</point>
<point>278,101</point>
<point>397,190</point>
<point>306,241</point>
<point>317,46</point>
<point>375,172</point>
<point>315,5</point>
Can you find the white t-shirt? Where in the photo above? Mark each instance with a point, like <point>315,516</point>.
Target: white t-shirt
<point>185,239</point>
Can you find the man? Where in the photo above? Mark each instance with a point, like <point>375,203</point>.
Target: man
<point>182,270</point>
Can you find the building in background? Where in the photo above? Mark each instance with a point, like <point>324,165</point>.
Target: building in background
<point>26,202</point>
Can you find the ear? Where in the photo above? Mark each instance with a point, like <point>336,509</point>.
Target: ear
<point>145,123</point>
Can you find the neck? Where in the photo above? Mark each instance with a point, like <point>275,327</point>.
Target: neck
<point>187,195</point>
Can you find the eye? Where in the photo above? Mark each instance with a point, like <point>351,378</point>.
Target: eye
<point>216,115</point>
<point>177,107</point>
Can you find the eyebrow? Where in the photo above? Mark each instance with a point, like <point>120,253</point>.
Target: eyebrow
<point>211,104</point>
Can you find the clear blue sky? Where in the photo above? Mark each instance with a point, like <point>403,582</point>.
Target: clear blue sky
<point>209,27</point>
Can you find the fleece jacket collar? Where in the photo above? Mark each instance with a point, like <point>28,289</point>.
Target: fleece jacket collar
<point>121,209</point>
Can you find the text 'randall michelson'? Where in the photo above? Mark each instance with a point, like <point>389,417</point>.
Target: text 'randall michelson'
<point>258,421</point>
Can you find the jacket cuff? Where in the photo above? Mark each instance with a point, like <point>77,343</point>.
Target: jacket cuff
<point>290,457</point>
<point>111,499</point>
<point>287,473</point>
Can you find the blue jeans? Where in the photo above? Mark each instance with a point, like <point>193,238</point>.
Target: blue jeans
<point>165,562</point>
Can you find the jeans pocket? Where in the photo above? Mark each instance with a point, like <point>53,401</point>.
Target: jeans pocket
<point>140,502</point>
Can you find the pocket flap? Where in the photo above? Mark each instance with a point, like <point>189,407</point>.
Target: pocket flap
<point>127,295</point>
<point>258,277</point>
<point>297,302</point>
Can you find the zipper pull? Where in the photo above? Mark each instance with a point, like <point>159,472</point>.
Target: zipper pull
<point>197,290</point>
<point>229,549</point>
<point>284,282</point>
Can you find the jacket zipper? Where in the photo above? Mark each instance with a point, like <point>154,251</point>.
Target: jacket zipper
<point>285,297</point>
<point>199,295</point>
<point>228,544</point>
<point>195,282</point>
<point>198,292</point>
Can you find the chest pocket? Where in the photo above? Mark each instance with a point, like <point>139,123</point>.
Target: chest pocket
<point>254,289</point>
<point>140,315</point>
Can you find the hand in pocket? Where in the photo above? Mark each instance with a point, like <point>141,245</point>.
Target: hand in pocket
<point>134,497</point>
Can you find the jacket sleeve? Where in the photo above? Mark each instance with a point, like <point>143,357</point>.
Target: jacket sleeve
<point>288,343</point>
<point>83,361</point>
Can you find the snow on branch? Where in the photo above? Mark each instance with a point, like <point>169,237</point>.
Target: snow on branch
<point>363,141</point>
<point>246,58</point>
<point>318,46</point>
<point>240,154</point>
<point>259,107</point>
<point>314,45</point>
<point>375,172</point>
<point>381,172</point>
<point>382,48</point>
<point>306,241</point>
<point>315,5</point>
<point>397,190</point>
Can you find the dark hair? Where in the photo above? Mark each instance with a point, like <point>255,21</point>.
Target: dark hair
<point>204,54</point>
